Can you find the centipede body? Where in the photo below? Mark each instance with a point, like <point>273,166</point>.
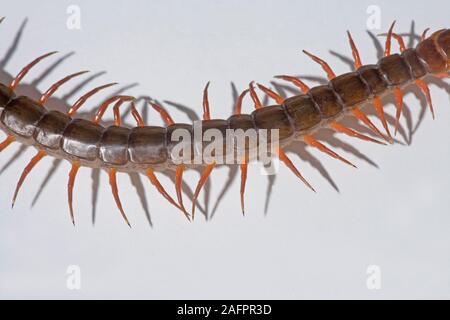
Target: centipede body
<point>146,149</point>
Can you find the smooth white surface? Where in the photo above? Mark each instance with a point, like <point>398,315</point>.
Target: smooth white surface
<point>308,245</point>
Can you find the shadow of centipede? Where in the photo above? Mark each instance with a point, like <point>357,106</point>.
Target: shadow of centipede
<point>299,148</point>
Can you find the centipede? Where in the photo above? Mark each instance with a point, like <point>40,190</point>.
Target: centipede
<point>147,150</point>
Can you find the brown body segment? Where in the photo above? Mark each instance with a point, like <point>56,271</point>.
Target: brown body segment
<point>49,130</point>
<point>241,121</point>
<point>273,117</point>
<point>395,70</point>
<point>303,112</point>
<point>416,67</point>
<point>220,127</point>
<point>147,145</point>
<point>113,148</point>
<point>443,42</point>
<point>433,55</point>
<point>177,134</point>
<point>351,88</point>
<point>245,123</point>
<point>21,116</point>
<point>81,139</point>
<point>326,101</point>
<point>372,76</point>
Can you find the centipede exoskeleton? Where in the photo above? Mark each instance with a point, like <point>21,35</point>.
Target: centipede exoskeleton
<point>149,149</point>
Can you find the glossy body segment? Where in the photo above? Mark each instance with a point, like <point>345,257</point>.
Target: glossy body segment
<point>49,130</point>
<point>245,123</point>
<point>326,101</point>
<point>303,112</point>
<point>81,139</point>
<point>113,148</point>
<point>434,56</point>
<point>147,145</point>
<point>21,116</point>
<point>417,68</point>
<point>351,88</point>
<point>395,70</point>
<point>220,127</point>
<point>443,42</point>
<point>374,79</point>
<point>176,134</point>
<point>274,117</point>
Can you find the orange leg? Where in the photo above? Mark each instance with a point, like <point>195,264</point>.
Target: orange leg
<point>387,49</point>
<point>352,133</point>
<point>295,81</point>
<point>254,96</point>
<point>426,91</point>
<point>115,192</point>
<point>310,140</point>
<point>205,174</point>
<point>70,184</point>
<point>401,42</point>
<point>154,180</point>
<point>272,94</point>
<point>398,38</point>
<point>285,159</point>
<point>206,113</point>
<point>243,168</point>
<point>41,154</point>
<point>355,52</point>
<point>101,110</point>
<point>15,82</point>
<point>116,112</point>
<point>324,65</point>
<point>238,107</point>
<point>164,114</point>
<point>5,143</point>
<point>378,105</point>
<point>43,99</point>
<point>77,105</point>
<point>136,115</point>
<point>179,169</point>
<point>398,96</point>
<point>364,119</point>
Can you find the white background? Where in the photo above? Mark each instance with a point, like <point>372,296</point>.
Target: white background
<point>394,215</point>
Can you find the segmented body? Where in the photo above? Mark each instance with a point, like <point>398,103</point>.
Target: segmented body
<point>144,147</point>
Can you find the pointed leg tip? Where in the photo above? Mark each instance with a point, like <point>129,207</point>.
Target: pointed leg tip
<point>193,212</point>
